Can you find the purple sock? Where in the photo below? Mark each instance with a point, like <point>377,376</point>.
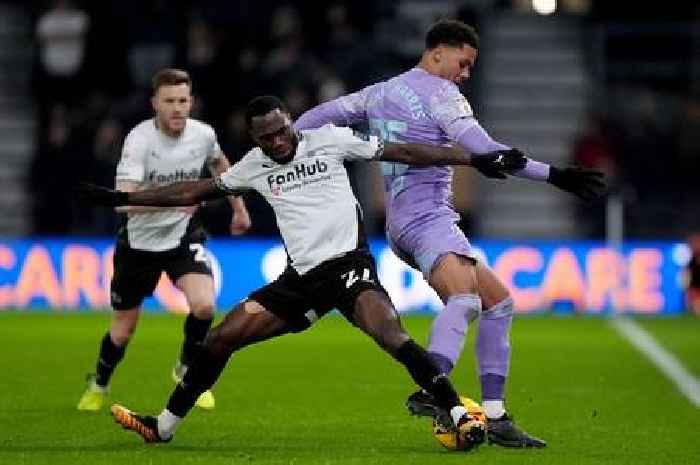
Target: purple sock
<point>492,386</point>
<point>449,329</point>
<point>493,349</point>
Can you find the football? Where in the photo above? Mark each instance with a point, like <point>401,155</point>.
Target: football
<point>446,435</point>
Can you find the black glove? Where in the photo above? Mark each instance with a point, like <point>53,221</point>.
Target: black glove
<point>584,183</point>
<point>98,195</point>
<point>499,164</point>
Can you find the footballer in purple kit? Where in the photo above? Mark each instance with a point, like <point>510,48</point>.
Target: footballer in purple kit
<point>424,105</point>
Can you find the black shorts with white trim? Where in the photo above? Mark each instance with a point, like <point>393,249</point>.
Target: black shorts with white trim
<point>137,272</point>
<point>300,300</point>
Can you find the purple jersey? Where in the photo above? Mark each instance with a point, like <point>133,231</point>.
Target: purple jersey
<point>416,107</point>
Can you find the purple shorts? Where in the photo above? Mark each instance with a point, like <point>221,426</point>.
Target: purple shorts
<point>423,246</point>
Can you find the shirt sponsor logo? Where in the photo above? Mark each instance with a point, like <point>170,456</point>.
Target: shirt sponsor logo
<point>294,178</point>
<point>176,176</point>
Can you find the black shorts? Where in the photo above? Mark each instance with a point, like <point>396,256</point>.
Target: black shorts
<point>336,283</point>
<point>137,272</point>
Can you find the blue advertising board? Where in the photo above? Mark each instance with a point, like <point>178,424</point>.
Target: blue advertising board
<point>73,274</point>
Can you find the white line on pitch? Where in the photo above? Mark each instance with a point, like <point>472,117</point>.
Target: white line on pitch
<point>662,358</point>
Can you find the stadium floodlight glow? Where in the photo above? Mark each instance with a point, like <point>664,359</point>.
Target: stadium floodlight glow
<point>544,7</point>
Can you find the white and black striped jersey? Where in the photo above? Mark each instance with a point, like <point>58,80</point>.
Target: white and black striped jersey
<point>317,213</point>
<point>154,159</point>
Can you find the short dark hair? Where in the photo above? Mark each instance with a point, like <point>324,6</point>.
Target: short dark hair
<point>263,105</point>
<point>451,32</point>
<point>170,77</point>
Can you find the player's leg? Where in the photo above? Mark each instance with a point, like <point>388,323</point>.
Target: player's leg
<point>134,278</point>
<point>443,254</point>
<point>493,355</point>
<point>199,293</point>
<point>275,309</point>
<point>111,352</point>
<point>190,271</point>
<point>445,257</point>
<point>198,289</point>
<point>114,343</point>
<point>352,285</point>
<point>454,279</point>
<point>493,340</point>
<point>375,314</point>
<point>249,322</point>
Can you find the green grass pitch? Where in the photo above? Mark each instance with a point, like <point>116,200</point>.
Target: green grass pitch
<point>329,396</point>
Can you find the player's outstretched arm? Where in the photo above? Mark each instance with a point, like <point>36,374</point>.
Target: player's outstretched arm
<point>425,155</point>
<point>130,186</point>
<point>181,193</point>
<point>494,164</point>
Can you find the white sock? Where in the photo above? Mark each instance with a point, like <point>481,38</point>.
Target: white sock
<point>493,408</point>
<point>457,412</point>
<point>167,424</point>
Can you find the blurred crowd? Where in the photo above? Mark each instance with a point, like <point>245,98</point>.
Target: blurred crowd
<point>95,61</point>
<point>644,126</point>
<point>650,158</point>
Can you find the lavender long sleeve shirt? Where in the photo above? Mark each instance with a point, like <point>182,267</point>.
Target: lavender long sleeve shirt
<point>416,107</point>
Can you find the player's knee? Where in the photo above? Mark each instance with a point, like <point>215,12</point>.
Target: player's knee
<point>202,309</point>
<point>454,274</point>
<point>201,304</point>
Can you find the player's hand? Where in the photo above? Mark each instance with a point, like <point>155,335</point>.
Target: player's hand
<point>240,223</point>
<point>98,195</point>
<point>511,160</point>
<point>499,164</point>
<point>584,183</point>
